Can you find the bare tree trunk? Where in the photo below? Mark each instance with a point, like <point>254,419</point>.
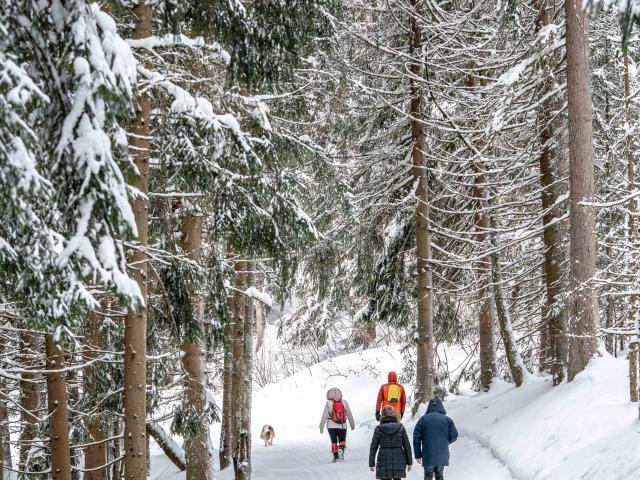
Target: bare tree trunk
<point>553,331</point>
<point>424,344</point>
<point>243,472</point>
<point>118,467</point>
<point>58,413</point>
<point>95,456</point>
<point>5,447</point>
<point>237,362</point>
<point>486,317</point>
<point>514,360</point>
<point>29,398</point>
<point>631,236</point>
<point>196,444</point>
<point>226,430</point>
<point>261,326</point>
<point>172,450</point>
<point>135,331</point>
<point>583,308</point>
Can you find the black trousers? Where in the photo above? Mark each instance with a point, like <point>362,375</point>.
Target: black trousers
<point>429,470</point>
<point>338,435</point>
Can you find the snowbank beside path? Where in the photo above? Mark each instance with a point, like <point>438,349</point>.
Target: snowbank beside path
<point>586,429</point>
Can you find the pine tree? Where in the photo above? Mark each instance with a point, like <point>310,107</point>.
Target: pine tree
<point>583,311</point>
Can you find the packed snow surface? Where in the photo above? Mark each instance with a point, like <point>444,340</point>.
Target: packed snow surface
<point>583,430</point>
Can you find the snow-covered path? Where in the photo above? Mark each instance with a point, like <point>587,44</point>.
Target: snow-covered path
<point>311,461</point>
<point>293,406</point>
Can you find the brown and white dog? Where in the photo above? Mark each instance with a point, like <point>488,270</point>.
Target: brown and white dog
<point>268,434</point>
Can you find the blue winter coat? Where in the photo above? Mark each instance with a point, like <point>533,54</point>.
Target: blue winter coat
<point>433,434</point>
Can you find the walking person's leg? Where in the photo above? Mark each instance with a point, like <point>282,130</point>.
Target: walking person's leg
<point>439,473</point>
<point>428,472</point>
<point>342,439</point>
<point>333,434</point>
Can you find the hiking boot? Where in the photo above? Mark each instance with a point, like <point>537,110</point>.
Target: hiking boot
<point>336,457</point>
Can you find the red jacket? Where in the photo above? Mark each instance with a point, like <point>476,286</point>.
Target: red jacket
<point>382,401</point>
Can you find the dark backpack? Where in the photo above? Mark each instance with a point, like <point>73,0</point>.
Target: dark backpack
<point>338,413</point>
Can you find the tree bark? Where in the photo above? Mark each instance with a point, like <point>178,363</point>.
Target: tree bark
<point>29,398</point>
<point>514,360</point>
<point>226,430</point>
<point>486,318</point>
<point>631,235</point>
<point>5,439</point>
<point>95,456</point>
<point>553,331</point>
<point>424,345</point>
<point>261,326</point>
<point>117,451</point>
<point>196,445</point>
<point>135,344</point>
<point>583,308</point>
<point>237,362</point>
<point>244,467</point>
<point>58,413</point>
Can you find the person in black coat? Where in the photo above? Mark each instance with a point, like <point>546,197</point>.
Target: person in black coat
<point>432,436</point>
<point>391,444</point>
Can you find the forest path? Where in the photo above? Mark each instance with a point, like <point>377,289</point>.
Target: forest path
<point>294,406</point>
<point>295,460</point>
<point>311,461</point>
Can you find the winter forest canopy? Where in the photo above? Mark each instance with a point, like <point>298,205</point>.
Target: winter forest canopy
<point>203,197</point>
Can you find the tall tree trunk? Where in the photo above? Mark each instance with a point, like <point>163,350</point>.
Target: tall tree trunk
<point>552,162</point>
<point>95,455</point>
<point>237,363</point>
<point>196,444</point>
<point>514,360</point>
<point>486,316</point>
<point>244,469</point>
<point>117,451</point>
<point>29,398</point>
<point>583,308</point>
<point>631,236</point>
<point>135,341</point>
<point>226,430</point>
<point>424,345</point>
<point>261,326</point>
<point>58,413</point>
<point>5,446</point>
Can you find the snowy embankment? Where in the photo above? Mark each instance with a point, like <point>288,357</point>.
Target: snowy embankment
<point>586,429</point>
<point>583,430</point>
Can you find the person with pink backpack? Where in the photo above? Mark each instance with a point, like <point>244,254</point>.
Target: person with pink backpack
<point>335,416</point>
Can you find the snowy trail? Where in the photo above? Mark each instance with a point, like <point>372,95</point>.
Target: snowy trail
<point>311,461</point>
<point>293,406</point>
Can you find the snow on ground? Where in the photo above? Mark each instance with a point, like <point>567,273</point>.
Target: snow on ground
<point>583,430</point>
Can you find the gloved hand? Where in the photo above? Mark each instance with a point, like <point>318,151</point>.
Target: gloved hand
<point>408,468</point>
<point>377,416</point>
<point>401,415</point>
<point>373,469</point>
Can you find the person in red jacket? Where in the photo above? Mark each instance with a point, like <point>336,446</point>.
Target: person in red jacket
<point>391,394</point>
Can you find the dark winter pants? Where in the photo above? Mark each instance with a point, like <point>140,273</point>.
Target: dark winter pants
<point>429,470</point>
<point>338,437</point>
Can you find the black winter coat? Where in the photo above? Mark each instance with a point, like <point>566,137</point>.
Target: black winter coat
<point>391,443</point>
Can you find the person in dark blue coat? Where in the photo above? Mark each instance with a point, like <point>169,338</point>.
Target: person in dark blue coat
<point>432,436</point>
